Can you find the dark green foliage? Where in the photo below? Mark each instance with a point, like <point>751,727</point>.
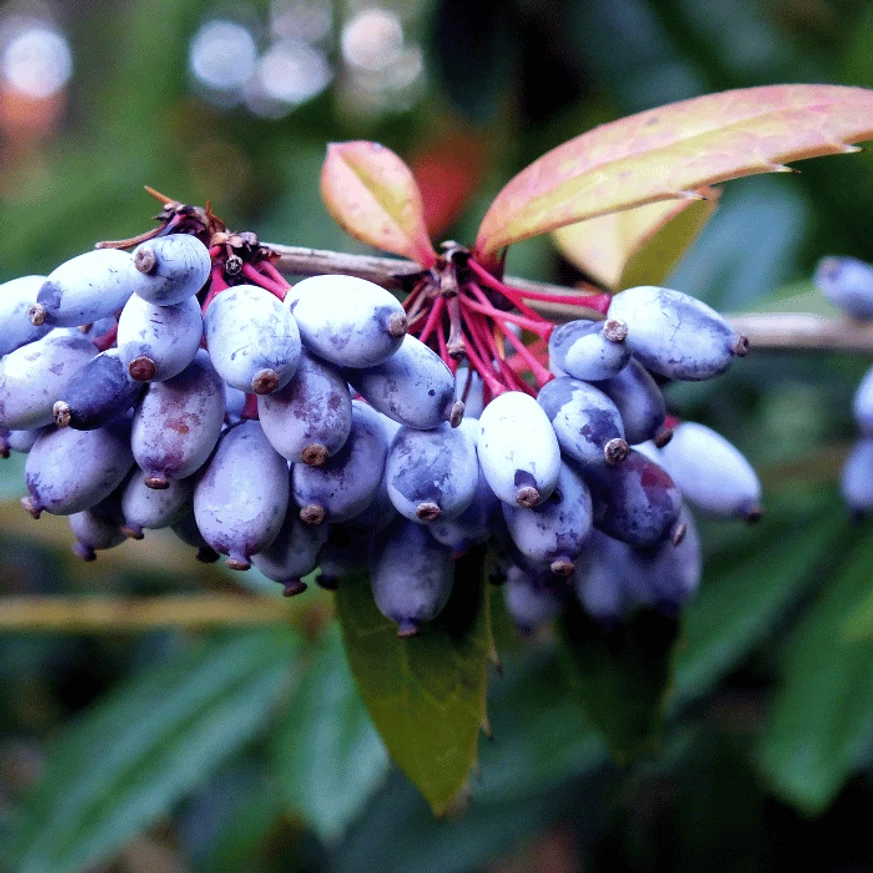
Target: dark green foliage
<point>745,739</point>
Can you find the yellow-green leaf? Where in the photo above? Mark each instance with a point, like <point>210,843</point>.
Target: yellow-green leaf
<point>670,152</point>
<point>637,246</point>
<point>426,693</point>
<point>373,196</point>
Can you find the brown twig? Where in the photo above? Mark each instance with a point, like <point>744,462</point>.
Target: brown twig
<point>797,331</point>
<point>765,331</point>
<point>121,613</point>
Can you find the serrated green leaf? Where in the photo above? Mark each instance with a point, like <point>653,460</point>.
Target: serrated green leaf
<point>621,675</point>
<point>636,246</point>
<point>672,151</point>
<point>735,609</point>
<point>145,746</point>
<point>326,755</point>
<point>821,724</point>
<point>426,693</point>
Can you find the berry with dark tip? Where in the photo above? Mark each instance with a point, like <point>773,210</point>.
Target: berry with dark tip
<point>554,532</point>
<point>635,502</point>
<point>253,339</point>
<point>101,391</point>
<point>676,335</point>
<point>177,423</point>
<point>711,473</point>
<point>167,270</point>
<point>432,474</point>
<point>34,376</point>
<point>158,342</point>
<point>586,422</point>
<point>241,499</point>
<point>16,298</point>
<point>309,419</point>
<point>590,350</point>
<point>70,470</point>
<point>346,484</point>
<point>411,575</point>
<point>349,321</point>
<point>84,289</point>
<point>518,449</point>
<point>414,386</point>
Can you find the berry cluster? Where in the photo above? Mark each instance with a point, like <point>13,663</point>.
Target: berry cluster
<point>186,384</point>
<point>848,284</point>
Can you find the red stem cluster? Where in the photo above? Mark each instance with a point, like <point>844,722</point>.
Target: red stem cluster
<point>477,318</point>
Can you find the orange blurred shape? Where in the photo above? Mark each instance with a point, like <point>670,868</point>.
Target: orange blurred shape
<point>447,169</point>
<point>24,118</point>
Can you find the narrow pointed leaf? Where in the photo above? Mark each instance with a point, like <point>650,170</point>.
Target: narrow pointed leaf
<point>621,676</point>
<point>819,730</point>
<point>326,755</point>
<point>637,246</point>
<point>426,694</point>
<point>373,196</point>
<point>671,151</point>
<point>127,761</point>
<point>733,612</point>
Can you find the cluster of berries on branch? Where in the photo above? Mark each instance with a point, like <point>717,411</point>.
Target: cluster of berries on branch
<point>179,380</point>
<point>848,283</point>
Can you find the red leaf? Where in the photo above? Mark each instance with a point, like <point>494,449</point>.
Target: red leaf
<point>447,170</point>
<point>671,151</point>
<point>372,195</point>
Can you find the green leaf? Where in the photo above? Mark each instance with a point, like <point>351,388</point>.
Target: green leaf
<point>327,757</point>
<point>240,838</point>
<point>538,736</point>
<point>621,675</point>
<point>144,747</point>
<point>373,196</point>
<point>672,151</point>
<point>542,764</point>
<point>637,246</point>
<point>399,834</point>
<point>426,693</point>
<point>821,723</point>
<point>12,476</point>
<point>736,609</point>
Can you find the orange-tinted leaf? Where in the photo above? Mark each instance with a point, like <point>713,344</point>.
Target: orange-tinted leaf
<point>637,246</point>
<point>671,151</point>
<point>372,195</point>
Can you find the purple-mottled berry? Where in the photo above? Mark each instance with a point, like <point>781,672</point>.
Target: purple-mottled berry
<point>676,335</point>
<point>309,419</point>
<point>635,502</point>
<point>411,575</point>
<point>241,499</point>
<point>177,423</point>
<point>414,386</point>
<point>518,449</point>
<point>346,320</point>
<point>432,474</point>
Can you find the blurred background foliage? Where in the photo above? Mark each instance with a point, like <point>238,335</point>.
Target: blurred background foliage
<point>183,749</point>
